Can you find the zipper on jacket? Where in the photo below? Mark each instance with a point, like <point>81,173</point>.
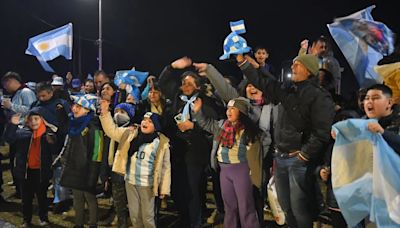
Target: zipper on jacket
<point>27,158</point>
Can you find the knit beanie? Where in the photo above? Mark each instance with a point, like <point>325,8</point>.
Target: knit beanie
<point>155,118</point>
<point>310,62</point>
<point>240,103</point>
<point>128,108</point>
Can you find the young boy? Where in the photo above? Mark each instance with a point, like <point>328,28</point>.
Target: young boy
<point>34,145</point>
<point>261,55</point>
<point>378,104</point>
<point>82,157</point>
<point>143,157</point>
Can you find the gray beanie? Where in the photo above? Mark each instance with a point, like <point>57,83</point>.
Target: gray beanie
<point>240,103</point>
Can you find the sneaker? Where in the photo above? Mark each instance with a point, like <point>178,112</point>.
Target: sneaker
<point>26,225</point>
<point>164,204</point>
<point>211,219</point>
<point>50,188</point>
<point>43,223</point>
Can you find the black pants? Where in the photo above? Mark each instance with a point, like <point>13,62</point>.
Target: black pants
<point>219,202</point>
<point>12,168</point>
<point>31,186</point>
<point>195,175</point>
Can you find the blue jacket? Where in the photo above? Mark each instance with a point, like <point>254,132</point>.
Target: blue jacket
<point>48,109</point>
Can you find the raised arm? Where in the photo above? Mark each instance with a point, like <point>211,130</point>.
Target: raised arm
<point>268,85</point>
<point>207,124</point>
<point>168,81</point>
<point>109,127</point>
<point>226,91</point>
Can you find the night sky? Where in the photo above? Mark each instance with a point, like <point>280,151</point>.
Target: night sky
<point>149,34</point>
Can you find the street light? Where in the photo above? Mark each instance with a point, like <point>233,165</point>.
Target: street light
<point>100,41</point>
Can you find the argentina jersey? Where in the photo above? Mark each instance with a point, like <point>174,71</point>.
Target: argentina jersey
<point>236,154</point>
<point>140,165</point>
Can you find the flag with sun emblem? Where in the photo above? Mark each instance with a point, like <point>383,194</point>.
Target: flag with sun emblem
<point>49,45</point>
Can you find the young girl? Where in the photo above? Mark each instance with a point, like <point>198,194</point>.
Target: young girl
<point>34,144</point>
<point>143,157</point>
<point>236,147</point>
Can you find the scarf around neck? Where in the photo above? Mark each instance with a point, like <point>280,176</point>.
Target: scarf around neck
<point>188,106</point>
<point>34,149</point>
<point>140,140</point>
<point>77,125</point>
<point>227,136</point>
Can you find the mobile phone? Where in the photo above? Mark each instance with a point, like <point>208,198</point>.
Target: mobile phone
<point>178,118</point>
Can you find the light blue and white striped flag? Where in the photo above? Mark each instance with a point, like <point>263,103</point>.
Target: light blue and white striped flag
<point>238,26</point>
<point>133,78</point>
<point>49,45</point>
<point>363,43</point>
<point>365,175</point>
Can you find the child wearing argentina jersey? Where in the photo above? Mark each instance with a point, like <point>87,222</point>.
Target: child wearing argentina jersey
<point>143,157</point>
<point>236,147</point>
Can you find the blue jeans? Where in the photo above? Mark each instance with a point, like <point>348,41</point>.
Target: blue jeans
<point>294,186</point>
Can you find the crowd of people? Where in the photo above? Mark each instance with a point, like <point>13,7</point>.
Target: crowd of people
<point>167,137</point>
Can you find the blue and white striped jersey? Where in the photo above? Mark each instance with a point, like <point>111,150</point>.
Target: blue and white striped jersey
<point>140,166</point>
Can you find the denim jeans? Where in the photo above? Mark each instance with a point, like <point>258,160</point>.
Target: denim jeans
<point>295,187</point>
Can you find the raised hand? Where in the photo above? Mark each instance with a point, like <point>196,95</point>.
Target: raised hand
<point>240,58</point>
<point>197,105</point>
<point>201,68</point>
<point>252,61</point>
<point>104,106</point>
<point>150,80</point>
<point>182,63</point>
<point>304,44</point>
<point>15,118</point>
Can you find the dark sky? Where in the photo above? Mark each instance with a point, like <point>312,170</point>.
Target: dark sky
<point>149,34</point>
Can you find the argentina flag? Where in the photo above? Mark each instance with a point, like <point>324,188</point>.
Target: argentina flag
<point>49,45</point>
<point>365,175</point>
<point>363,42</point>
<point>238,27</point>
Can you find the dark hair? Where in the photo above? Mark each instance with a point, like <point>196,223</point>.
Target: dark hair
<point>194,75</point>
<point>44,86</point>
<point>115,88</point>
<point>251,130</point>
<point>11,75</point>
<point>97,73</point>
<point>384,88</point>
<point>88,80</point>
<point>261,48</point>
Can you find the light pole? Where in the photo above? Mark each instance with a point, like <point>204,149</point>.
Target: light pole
<point>100,39</point>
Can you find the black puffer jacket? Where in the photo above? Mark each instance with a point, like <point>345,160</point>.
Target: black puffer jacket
<point>306,119</point>
<point>80,170</point>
